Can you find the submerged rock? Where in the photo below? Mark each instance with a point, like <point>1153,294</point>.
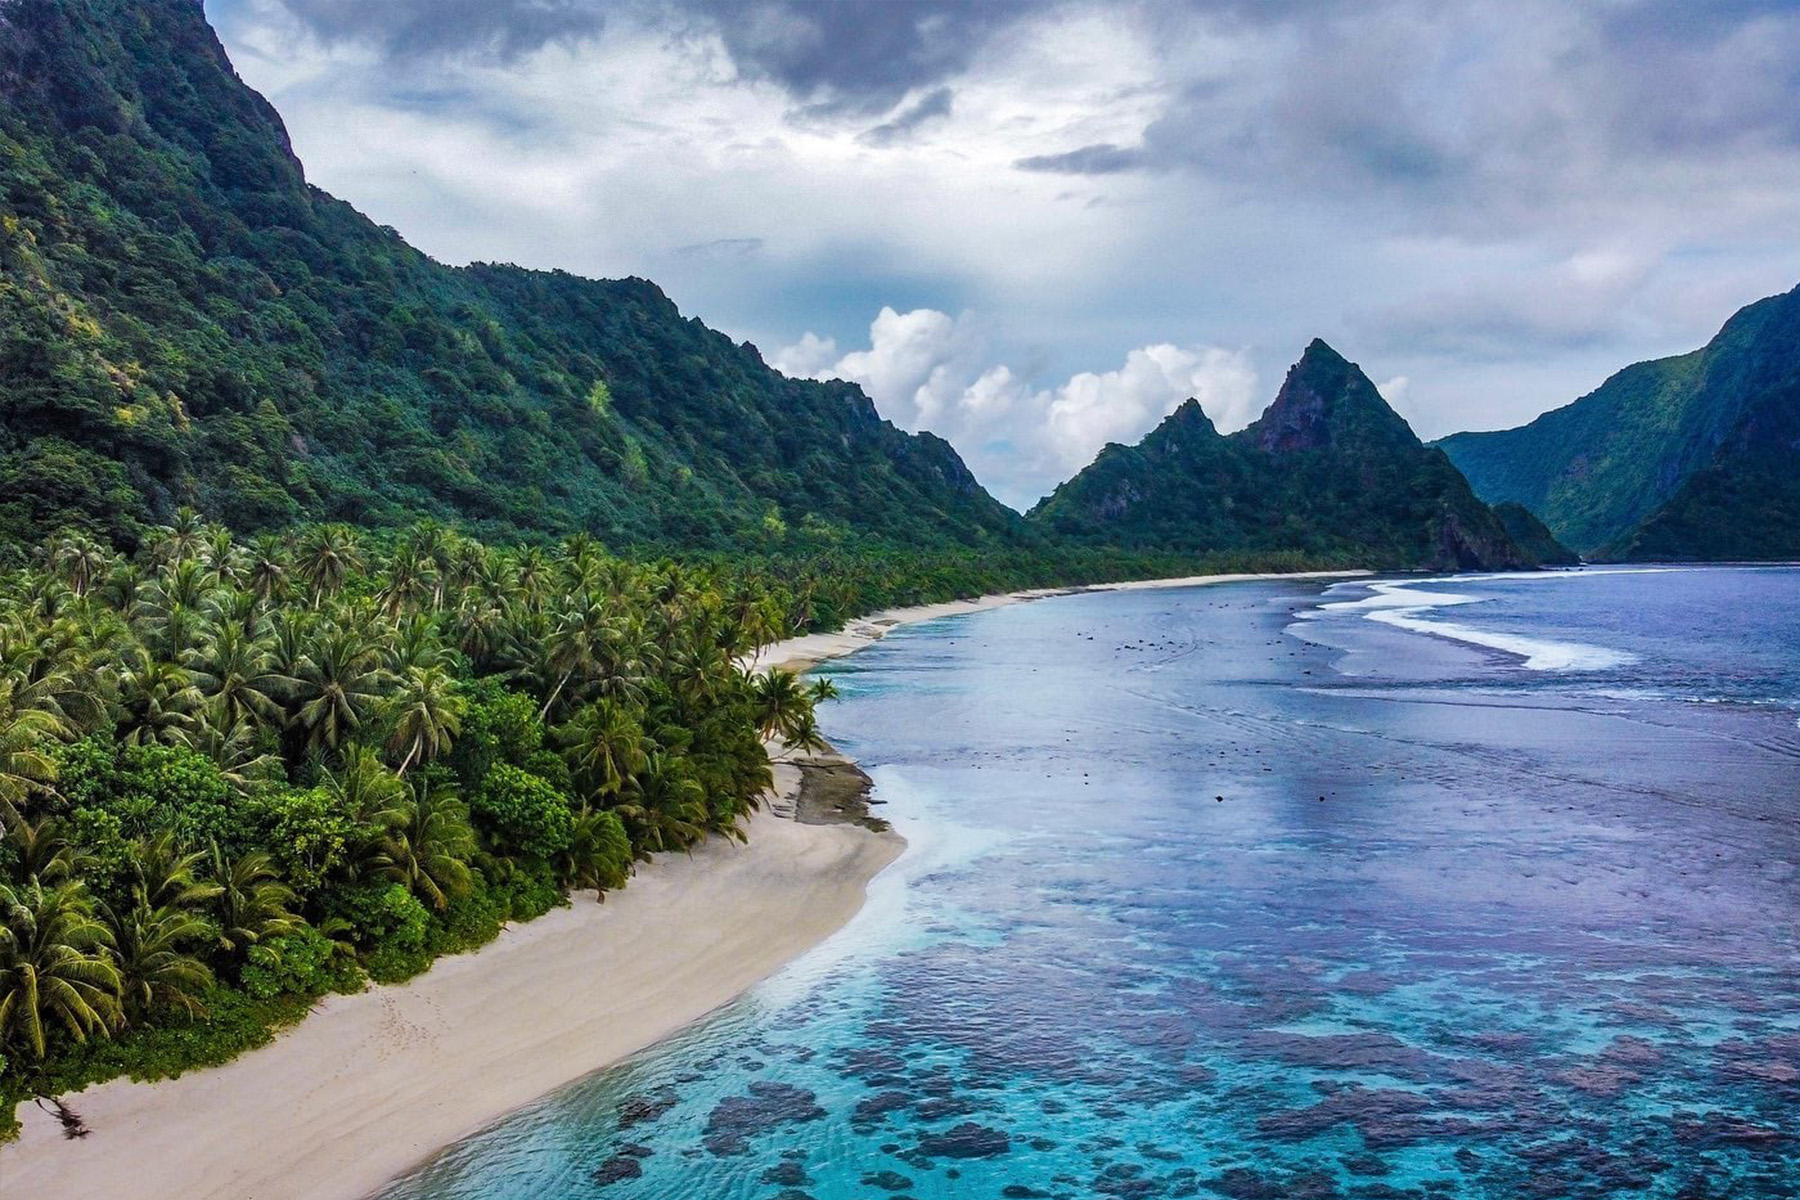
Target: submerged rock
<point>618,1167</point>
<point>967,1140</point>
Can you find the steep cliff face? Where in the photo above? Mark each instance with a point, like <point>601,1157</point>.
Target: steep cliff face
<point>184,320</point>
<point>1691,457</point>
<point>1328,471</point>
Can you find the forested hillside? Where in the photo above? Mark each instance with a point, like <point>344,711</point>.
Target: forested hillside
<point>1329,472</point>
<point>1691,457</point>
<point>185,321</point>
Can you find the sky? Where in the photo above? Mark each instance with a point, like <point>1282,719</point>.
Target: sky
<point>1036,227</point>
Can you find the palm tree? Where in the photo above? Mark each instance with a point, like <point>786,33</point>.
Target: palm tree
<point>157,700</point>
<point>328,557</point>
<point>430,848</point>
<point>81,562</point>
<point>666,809</point>
<point>267,573</point>
<point>155,971</point>
<point>578,646</point>
<point>40,852</point>
<point>54,967</point>
<point>599,853</point>
<point>426,712</point>
<point>339,681</point>
<point>781,703</point>
<point>164,874</point>
<point>25,764</point>
<point>252,903</point>
<point>235,672</point>
<point>604,745</point>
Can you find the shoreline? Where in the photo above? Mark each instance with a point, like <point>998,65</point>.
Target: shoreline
<point>369,1086</point>
<point>808,650</point>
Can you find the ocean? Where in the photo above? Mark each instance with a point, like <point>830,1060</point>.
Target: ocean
<point>1480,886</point>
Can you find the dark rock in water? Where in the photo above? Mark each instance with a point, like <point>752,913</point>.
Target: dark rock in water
<point>633,1150</point>
<point>1127,1182</point>
<point>736,1118</point>
<point>887,1181</point>
<point>617,1168</point>
<point>646,1106</point>
<point>1018,1191</point>
<point>789,1173</point>
<point>1366,1164</point>
<point>950,1106</point>
<point>872,1110</point>
<point>1723,1129</point>
<point>726,1145</point>
<point>967,1140</point>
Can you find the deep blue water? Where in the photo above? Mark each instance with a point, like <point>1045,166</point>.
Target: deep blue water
<point>1253,892</point>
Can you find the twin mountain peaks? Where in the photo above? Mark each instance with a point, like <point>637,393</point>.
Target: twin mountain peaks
<point>184,320</point>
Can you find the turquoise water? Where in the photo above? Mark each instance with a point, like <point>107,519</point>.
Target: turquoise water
<point>1271,891</point>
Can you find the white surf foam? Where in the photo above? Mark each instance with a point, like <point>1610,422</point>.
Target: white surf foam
<point>1402,605</point>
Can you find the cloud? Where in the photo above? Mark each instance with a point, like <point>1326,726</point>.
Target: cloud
<point>928,370</point>
<point>501,28</point>
<point>903,124</point>
<point>1414,180</point>
<point>844,57</point>
<point>1102,158</point>
<point>727,248</point>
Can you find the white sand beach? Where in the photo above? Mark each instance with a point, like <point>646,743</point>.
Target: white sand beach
<point>371,1084</point>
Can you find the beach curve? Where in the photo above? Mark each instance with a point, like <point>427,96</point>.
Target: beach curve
<point>370,1085</point>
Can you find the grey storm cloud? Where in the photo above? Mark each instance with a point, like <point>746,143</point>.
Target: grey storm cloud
<point>835,57</point>
<point>1102,158</point>
<point>903,124</point>
<point>502,28</point>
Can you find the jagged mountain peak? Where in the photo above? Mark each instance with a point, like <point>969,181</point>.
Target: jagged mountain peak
<point>1326,401</point>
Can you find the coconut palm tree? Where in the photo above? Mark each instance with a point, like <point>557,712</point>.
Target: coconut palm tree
<point>666,808</point>
<point>157,700</point>
<point>154,966</point>
<point>780,702</point>
<point>166,875</point>
<point>40,852</point>
<point>235,673</point>
<point>426,713</point>
<point>252,903</point>
<point>579,646</point>
<point>339,682</point>
<point>81,562</point>
<point>604,745</point>
<point>26,767</point>
<point>328,557</point>
<point>267,569</point>
<point>599,853</point>
<point>429,849</point>
<point>55,968</point>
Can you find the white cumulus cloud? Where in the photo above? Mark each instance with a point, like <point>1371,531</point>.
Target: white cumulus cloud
<point>928,370</point>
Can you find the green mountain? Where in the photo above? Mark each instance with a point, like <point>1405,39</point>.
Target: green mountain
<point>184,320</point>
<point>1533,536</point>
<point>1328,471</point>
<point>1692,457</point>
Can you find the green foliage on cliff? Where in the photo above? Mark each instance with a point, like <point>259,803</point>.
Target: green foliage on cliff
<point>1692,457</point>
<point>1329,472</point>
<point>185,321</point>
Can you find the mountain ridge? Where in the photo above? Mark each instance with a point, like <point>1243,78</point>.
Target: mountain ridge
<point>1687,457</point>
<point>188,321</point>
<point>1328,469</point>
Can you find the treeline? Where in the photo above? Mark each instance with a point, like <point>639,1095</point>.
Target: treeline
<point>235,776</point>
